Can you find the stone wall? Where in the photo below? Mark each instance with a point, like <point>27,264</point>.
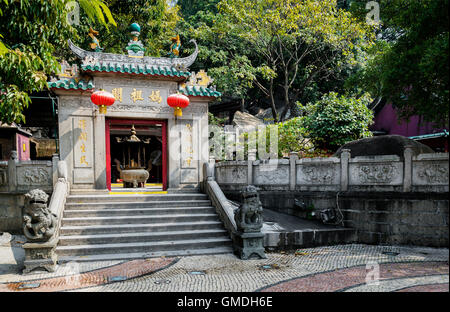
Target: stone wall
<point>16,179</point>
<point>388,200</point>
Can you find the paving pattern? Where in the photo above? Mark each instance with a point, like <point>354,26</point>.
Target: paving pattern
<point>349,268</point>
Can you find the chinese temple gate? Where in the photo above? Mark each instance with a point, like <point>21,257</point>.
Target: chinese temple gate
<point>171,149</point>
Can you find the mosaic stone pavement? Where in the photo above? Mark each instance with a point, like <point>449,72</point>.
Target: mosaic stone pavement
<point>349,268</point>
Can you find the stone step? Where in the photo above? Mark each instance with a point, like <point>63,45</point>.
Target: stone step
<point>135,198</point>
<point>125,205</point>
<point>139,237</point>
<point>173,218</point>
<point>95,249</point>
<point>141,255</point>
<point>134,228</point>
<point>136,211</point>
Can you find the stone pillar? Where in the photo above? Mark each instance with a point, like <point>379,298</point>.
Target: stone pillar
<point>407,175</point>
<point>293,156</point>
<point>55,159</point>
<point>251,158</point>
<point>100,151</point>
<point>249,240</point>
<point>12,176</point>
<point>345,157</point>
<point>208,171</point>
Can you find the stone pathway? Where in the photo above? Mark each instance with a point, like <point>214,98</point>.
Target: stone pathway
<point>349,268</point>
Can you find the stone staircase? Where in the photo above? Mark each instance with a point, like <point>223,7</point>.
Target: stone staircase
<point>97,227</point>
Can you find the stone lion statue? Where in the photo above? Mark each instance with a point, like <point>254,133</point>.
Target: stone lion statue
<point>38,222</point>
<point>248,216</point>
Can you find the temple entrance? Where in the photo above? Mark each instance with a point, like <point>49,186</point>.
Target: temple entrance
<point>136,154</point>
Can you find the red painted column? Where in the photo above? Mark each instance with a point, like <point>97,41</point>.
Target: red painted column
<point>108,154</point>
<point>164,155</point>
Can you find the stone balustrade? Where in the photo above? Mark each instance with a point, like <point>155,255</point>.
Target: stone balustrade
<point>387,173</point>
<point>16,179</point>
<point>387,199</point>
<point>23,176</point>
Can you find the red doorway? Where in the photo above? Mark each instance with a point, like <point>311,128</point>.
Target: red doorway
<point>111,124</point>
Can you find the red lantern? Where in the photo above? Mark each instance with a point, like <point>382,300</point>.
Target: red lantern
<point>178,102</point>
<point>102,99</point>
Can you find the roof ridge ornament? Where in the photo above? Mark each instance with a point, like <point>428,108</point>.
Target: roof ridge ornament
<point>95,44</point>
<point>135,47</point>
<point>175,47</point>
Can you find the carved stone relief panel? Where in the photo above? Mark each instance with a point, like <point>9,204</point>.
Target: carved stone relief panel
<point>271,174</point>
<point>231,174</point>
<point>317,174</point>
<point>372,173</point>
<point>34,175</point>
<point>3,176</point>
<point>425,173</point>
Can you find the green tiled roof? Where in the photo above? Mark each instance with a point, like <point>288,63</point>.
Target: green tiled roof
<point>70,83</point>
<point>199,91</point>
<point>133,68</point>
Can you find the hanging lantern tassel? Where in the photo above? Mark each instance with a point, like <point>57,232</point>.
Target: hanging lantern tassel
<point>178,102</point>
<point>178,112</point>
<point>102,99</point>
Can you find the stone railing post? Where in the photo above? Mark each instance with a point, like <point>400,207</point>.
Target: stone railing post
<point>208,171</point>
<point>251,158</point>
<point>407,176</point>
<point>293,156</point>
<point>55,159</point>
<point>249,240</point>
<point>345,157</point>
<point>40,251</point>
<point>12,170</point>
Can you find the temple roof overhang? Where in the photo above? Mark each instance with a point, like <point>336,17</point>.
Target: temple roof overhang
<point>144,65</point>
<point>71,84</point>
<point>199,91</point>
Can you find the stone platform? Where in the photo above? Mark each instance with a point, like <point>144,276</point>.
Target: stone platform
<point>283,231</point>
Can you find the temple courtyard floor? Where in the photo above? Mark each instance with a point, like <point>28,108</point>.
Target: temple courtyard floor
<point>347,268</point>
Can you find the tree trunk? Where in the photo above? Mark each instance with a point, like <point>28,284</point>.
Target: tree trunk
<point>272,103</point>
<point>286,96</point>
<point>242,105</point>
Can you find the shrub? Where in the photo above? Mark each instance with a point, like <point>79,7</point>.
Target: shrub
<point>335,120</point>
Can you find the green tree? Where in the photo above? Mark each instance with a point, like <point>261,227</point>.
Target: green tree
<point>410,65</point>
<point>336,120</point>
<point>156,18</point>
<point>221,50</point>
<point>283,48</point>
<point>31,32</point>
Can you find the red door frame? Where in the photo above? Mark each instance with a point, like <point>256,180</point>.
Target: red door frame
<point>109,122</point>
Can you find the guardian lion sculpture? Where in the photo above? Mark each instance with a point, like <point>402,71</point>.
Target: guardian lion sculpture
<point>38,222</point>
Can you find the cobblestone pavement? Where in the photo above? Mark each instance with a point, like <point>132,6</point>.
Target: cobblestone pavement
<point>349,268</point>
